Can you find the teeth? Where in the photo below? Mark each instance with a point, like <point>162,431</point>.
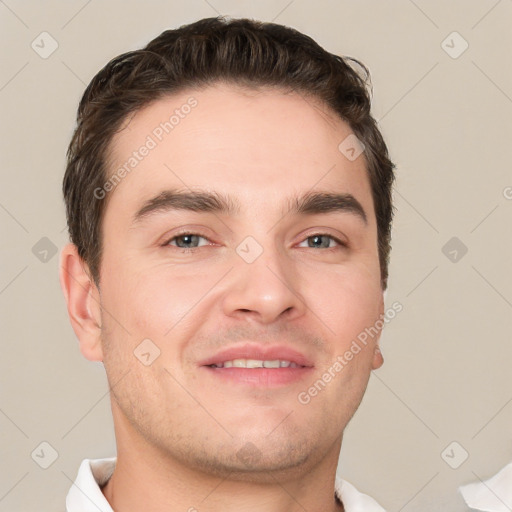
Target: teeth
<point>255,363</point>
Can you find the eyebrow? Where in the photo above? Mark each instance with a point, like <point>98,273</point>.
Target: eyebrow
<point>310,203</point>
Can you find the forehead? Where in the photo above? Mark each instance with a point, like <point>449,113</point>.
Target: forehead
<point>248,143</point>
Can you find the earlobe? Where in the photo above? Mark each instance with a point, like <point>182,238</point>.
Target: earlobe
<point>83,302</point>
<point>378,359</point>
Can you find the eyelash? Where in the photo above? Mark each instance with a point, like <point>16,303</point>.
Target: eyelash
<point>193,249</point>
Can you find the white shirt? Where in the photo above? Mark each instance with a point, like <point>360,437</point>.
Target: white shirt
<point>85,494</point>
<point>493,495</point>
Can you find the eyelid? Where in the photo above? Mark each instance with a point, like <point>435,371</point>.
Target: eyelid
<point>183,232</point>
<point>197,232</point>
<point>338,238</point>
<point>338,241</point>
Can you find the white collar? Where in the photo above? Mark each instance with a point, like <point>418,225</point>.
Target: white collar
<point>85,494</point>
<point>353,500</point>
<point>493,495</point>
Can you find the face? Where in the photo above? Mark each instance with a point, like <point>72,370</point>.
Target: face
<point>271,257</point>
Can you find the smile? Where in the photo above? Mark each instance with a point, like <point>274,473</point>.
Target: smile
<point>256,363</point>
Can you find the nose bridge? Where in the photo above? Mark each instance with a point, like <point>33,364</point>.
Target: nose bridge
<point>263,282</point>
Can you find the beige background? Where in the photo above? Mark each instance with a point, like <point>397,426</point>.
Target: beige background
<point>448,354</point>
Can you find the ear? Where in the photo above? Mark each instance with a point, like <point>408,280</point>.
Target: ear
<point>378,359</point>
<point>83,302</point>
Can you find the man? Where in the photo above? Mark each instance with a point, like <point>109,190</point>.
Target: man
<point>229,205</point>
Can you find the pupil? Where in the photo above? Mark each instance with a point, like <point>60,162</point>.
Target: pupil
<point>317,241</point>
<point>186,239</point>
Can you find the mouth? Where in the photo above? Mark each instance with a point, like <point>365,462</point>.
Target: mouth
<point>258,365</point>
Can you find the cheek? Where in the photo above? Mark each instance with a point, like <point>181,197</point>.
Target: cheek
<point>348,302</point>
<point>154,300</point>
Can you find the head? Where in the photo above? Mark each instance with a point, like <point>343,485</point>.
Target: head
<point>214,201</point>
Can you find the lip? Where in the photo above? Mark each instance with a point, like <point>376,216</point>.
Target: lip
<point>259,352</point>
<point>258,377</point>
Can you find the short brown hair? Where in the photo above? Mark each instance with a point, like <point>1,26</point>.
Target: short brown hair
<point>241,51</point>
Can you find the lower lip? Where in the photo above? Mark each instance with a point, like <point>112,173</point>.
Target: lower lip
<point>261,377</point>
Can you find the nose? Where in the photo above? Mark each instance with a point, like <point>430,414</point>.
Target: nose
<point>266,290</point>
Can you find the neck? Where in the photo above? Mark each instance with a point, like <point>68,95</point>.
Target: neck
<point>125,495</point>
<point>145,479</point>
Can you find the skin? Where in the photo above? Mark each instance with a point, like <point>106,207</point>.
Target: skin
<point>179,430</point>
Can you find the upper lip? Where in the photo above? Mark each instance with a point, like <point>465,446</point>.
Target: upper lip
<point>258,352</point>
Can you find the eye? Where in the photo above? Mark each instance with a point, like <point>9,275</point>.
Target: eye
<point>190,241</point>
<point>186,241</point>
<point>321,241</point>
